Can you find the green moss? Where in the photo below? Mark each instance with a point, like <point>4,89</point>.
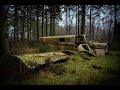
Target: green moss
<point>43,48</point>
<point>80,72</point>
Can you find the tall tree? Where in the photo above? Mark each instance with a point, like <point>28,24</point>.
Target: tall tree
<point>51,21</point>
<point>115,23</point>
<point>28,34</point>
<point>83,20</point>
<point>54,16</point>
<point>15,23</point>
<point>42,20</point>
<point>109,33</point>
<point>23,24</point>
<point>79,12</point>
<point>92,27</point>
<point>66,8</point>
<point>69,27</point>
<point>34,31</point>
<point>76,21</point>
<point>4,45</point>
<point>30,22</point>
<point>46,20</point>
<point>90,32</point>
<point>37,7</point>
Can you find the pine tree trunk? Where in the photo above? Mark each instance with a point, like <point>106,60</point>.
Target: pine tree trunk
<point>90,32</point>
<point>27,25</point>
<point>115,23</point>
<point>53,27</point>
<point>37,25</point>
<point>51,22</point>
<point>78,20</point>
<point>92,28</point>
<point>42,20</point>
<point>69,23</point>
<point>109,32</point>
<point>83,20</point>
<point>23,21</point>
<point>30,23</point>
<point>15,24</point>
<point>46,23</point>
<point>66,23</point>
<point>34,31</point>
<point>4,45</point>
<point>97,33</point>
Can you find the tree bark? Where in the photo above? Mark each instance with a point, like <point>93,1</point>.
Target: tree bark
<point>23,24</point>
<point>37,24</point>
<point>109,31</point>
<point>4,45</point>
<point>51,22</point>
<point>76,21</point>
<point>115,23</point>
<point>53,26</point>
<point>34,31</point>
<point>42,20</point>
<point>30,23</point>
<point>27,25</point>
<point>90,32</point>
<point>66,22</point>
<point>15,24</point>
<point>83,20</point>
<point>92,28</point>
<point>69,23</point>
<point>46,23</point>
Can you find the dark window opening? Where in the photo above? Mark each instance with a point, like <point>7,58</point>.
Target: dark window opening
<point>62,39</point>
<point>86,47</point>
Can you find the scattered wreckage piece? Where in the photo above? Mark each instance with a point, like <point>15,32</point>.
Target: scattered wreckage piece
<point>34,60</point>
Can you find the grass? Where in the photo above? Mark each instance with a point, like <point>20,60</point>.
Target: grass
<point>28,48</point>
<point>79,71</point>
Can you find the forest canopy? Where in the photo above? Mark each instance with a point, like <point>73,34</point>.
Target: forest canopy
<point>29,22</point>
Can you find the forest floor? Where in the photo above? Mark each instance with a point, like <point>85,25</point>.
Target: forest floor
<point>76,70</point>
<point>79,70</point>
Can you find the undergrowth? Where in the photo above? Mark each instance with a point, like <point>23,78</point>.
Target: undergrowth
<point>28,47</point>
<point>79,71</point>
